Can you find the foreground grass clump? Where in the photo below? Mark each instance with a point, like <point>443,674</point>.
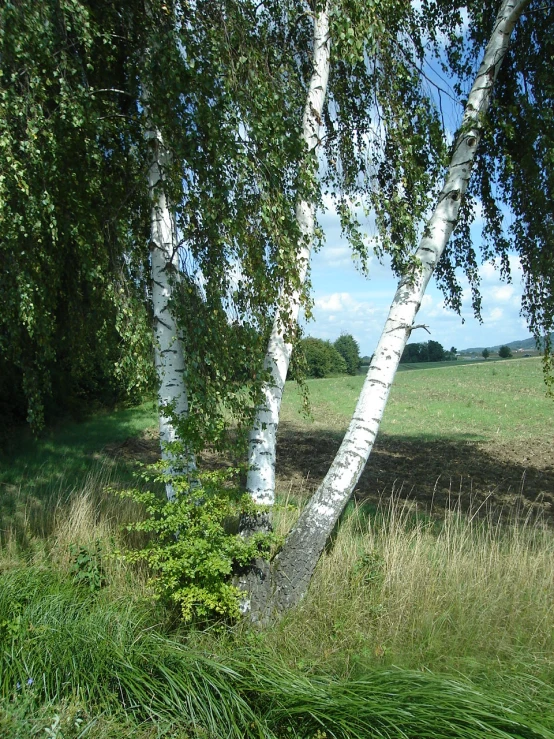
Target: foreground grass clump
<point>60,644</point>
<point>58,641</point>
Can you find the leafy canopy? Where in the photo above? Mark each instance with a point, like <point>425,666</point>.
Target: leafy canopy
<point>227,84</point>
<point>75,205</point>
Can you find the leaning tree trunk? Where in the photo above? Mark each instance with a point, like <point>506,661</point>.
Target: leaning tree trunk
<point>293,568</point>
<point>169,355</point>
<point>261,448</point>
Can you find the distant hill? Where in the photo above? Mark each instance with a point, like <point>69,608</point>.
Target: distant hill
<point>522,344</point>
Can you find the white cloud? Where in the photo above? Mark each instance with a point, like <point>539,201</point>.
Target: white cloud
<point>337,256</point>
<point>488,272</point>
<point>495,314</point>
<point>503,293</point>
<point>335,302</point>
<point>342,312</point>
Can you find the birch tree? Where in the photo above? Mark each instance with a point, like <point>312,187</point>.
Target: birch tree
<point>293,567</point>
<point>262,439</point>
<point>232,175</point>
<point>168,346</point>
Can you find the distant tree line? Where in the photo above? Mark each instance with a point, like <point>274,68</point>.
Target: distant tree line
<point>318,358</point>
<point>504,352</point>
<point>427,351</point>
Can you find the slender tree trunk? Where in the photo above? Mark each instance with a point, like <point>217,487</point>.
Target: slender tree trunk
<point>169,355</point>
<point>293,568</point>
<point>261,451</point>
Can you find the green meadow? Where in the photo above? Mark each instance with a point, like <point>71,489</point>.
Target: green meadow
<point>419,622</point>
<point>484,400</point>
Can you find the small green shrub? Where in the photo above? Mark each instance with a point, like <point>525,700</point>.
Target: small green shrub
<point>369,569</point>
<point>195,548</point>
<point>86,565</point>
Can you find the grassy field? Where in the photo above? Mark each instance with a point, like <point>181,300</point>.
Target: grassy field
<point>36,475</point>
<point>504,399</point>
<point>69,450</point>
<point>423,620</point>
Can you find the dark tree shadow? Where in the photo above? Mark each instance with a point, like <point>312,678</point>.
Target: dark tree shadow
<point>515,477</point>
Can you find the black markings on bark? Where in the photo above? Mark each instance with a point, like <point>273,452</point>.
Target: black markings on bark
<point>466,161</point>
<point>361,424</point>
<point>380,382</point>
<point>354,453</point>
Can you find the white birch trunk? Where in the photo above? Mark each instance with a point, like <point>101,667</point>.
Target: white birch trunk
<point>262,442</point>
<point>294,566</point>
<point>169,355</point>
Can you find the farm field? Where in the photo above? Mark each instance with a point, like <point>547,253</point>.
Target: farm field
<point>464,433</point>
<point>470,431</point>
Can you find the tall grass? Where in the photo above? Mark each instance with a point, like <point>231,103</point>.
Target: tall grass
<point>398,599</point>
<point>58,643</point>
<point>464,593</point>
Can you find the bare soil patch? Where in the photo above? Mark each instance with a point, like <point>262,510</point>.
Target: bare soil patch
<point>518,475</point>
<point>144,448</point>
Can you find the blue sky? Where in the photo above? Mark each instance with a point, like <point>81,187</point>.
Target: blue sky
<point>347,302</point>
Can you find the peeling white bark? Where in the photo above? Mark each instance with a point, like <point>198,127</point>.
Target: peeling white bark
<point>294,566</point>
<point>262,442</point>
<point>169,356</point>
